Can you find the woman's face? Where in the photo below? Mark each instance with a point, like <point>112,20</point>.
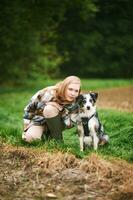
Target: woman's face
<point>72,91</point>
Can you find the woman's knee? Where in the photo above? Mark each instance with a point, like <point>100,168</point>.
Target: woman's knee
<point>50,111</point>
<point>33,133</point>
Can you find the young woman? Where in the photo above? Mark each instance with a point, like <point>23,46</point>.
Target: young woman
<point>43,113</point>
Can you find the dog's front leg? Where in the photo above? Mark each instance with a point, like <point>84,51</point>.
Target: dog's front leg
<point>81,141</point>
<point>95,141</point>
<point>81,136</point>
<point>93,126</point>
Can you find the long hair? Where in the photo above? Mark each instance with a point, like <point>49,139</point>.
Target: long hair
<point>62,86</point>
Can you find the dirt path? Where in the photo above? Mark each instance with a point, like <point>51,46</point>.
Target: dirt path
<point>118,98</point>
<point>26,174</point>
<point>31,175</point>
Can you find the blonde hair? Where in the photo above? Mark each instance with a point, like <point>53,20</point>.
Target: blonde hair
<point>62,86</point>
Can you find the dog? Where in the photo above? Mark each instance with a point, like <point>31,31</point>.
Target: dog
<point>86,119</point>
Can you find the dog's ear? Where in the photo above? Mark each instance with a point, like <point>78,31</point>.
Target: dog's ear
<point>94,96</point>
<point>79,99</point>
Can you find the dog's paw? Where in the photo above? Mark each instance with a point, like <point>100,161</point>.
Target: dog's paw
<point>104,140</point>
<point>81,150</point>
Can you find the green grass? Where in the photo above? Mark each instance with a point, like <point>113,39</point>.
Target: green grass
<point>118,125</point>
<point>87,84</point>
<point>95,84</point>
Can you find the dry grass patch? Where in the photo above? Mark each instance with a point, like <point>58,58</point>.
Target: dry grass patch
<point>35,174</point>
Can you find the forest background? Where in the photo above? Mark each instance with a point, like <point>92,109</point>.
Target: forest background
<point>56,38</point>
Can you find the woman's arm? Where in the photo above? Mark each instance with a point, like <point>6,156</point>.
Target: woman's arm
<point>29,113</point>
<point>30,109</point>
<point>34,109</point>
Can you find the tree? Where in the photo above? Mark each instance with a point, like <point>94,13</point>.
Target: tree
<point>103,45</point>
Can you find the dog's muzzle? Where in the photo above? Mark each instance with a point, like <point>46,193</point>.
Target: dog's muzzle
<point>88,107</point>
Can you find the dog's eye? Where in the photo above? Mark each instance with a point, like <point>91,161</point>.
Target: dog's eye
<point>84,101</point>
<point>90,100</point>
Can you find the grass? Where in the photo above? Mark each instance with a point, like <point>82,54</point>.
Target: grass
<point>95,84</point>
<point>87,84</point>
<point>118,125</point>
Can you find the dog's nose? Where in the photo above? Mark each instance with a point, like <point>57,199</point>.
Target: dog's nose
<point>88,107</point>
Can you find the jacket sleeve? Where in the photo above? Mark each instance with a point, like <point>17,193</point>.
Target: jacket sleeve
<point>36,105</point>
<point>29,110</point>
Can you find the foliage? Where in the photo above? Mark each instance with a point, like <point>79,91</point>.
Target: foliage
<point>102,45</point>
<point>59,38</point>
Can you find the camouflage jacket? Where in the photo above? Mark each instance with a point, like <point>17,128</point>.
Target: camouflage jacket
<point>33,112</point>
